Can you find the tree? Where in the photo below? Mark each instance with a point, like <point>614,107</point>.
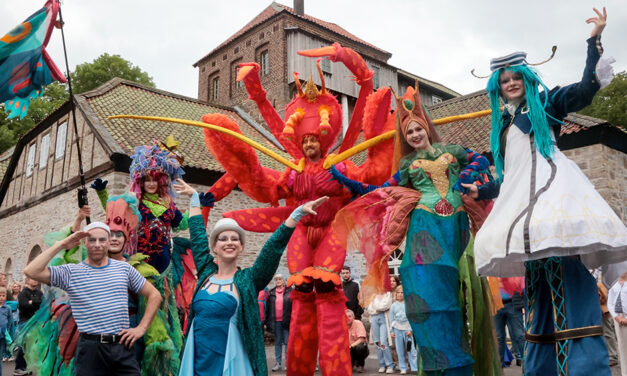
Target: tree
<point>88,76</point>
<point>54,96</point>
<point>611,103</point>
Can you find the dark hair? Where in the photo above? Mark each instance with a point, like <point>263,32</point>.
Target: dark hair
<point>396,279</point>
<point>346,267</point>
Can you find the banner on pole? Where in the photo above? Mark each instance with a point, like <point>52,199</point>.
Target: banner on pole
<point>25,66</point>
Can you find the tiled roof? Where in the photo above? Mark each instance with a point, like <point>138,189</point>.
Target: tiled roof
<point>475,133</point>
<point>124,97</point>
<point>5,158</point>
<point>276,8</point>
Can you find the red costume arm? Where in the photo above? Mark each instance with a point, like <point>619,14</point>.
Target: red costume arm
<point>220,190</point>
<point>363,76</point>
<point>240,161</point>
<point>260,219</point>
<point>377,119</point>
<point>249,73</point>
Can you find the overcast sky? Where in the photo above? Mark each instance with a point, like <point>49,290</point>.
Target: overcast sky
<point>441,40</point>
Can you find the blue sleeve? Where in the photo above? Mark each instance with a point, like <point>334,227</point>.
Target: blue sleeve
<point>574,97</point>
<point>60,276</point>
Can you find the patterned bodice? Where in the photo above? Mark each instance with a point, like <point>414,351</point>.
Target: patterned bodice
<point>153,234</point>
<point>434,174</point>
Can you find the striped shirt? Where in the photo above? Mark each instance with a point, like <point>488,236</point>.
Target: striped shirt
<point>98,295</point>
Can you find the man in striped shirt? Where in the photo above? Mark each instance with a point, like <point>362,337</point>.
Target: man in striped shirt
<point>98,290</point>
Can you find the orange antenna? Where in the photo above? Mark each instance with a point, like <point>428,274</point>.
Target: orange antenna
<point>298,86</point>
<point>323,89</point>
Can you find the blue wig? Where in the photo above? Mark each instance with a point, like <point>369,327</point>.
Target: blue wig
<point>537,114</point>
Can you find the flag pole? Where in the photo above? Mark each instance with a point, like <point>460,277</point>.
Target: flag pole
<point>82,191</point>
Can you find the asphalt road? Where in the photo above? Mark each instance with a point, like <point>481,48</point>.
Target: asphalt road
<point>370,370</point>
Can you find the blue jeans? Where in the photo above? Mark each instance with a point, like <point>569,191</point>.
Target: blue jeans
<point>401,339</point>
<point>3,346</point>
<point>380,336</point>
<point>514,320</point>
<point>280,338</point>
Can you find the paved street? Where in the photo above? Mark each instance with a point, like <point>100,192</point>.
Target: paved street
<point>371,366</point>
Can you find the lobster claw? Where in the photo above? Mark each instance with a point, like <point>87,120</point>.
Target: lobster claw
<point>329,51</point>
<point>246,68</point>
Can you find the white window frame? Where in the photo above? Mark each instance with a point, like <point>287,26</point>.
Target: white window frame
<point>30,162</point>
<point>44,151</point>
<point>264,62</point>
<point>215,87</point>
<point>59,151</point>
<point>435,99</point>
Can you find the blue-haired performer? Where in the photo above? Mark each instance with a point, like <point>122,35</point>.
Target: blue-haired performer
<point>548,221</point>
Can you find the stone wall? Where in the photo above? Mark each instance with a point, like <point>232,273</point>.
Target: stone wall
<point>607,170</point>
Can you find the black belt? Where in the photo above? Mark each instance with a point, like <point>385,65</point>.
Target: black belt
<point>563,335</point>
<point>102,338</point>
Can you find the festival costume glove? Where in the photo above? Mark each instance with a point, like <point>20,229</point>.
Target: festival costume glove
<point>358,188</point>
<point>207,199</point>
<point>99,184</point>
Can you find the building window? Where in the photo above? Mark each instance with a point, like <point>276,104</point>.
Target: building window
<point>234,66</point>
<point>375,78</point>
<point>435,99</point>
<point>224,57</point>
<point>43,151</point>
<point>264,62</point>
<point>215,88</point>
<point>261,35</point>
<point>248,43</point>
<point>325,65</point>
<point>213,63</point>
<point>275,28</point>
<point>60,144</point>
<point>203,69</point>
<point>30,164</point>
<point>235,50</point>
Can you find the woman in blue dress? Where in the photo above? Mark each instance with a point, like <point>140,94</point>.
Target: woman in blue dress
<point>224,308</point>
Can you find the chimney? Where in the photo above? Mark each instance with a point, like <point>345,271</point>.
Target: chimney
<point>299,7</point>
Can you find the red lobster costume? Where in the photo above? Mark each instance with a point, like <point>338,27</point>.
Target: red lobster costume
<point>314,255</point>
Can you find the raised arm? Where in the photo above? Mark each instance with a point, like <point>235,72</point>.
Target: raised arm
<point>359,188</point>
<point>197,230</point>
<point>38,268</point>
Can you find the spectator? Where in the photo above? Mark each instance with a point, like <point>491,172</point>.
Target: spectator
<point>511,315</point>
<point>29,300</point>
<point>401,332</point>
<point>15,290</point>
<point>278,312</point>
<point>617,305</point>
<point>395,281</point>
<point>378,310</point>
<point>262,298</point>
<point>358,341</point>
<point>6,324</point>
<point>98,291</point>
<point>608,325</point>
<point>4,283</point>
<point>351,290</point>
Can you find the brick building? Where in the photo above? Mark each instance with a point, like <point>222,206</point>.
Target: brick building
<point>40,174</point>
<point>273,38</point>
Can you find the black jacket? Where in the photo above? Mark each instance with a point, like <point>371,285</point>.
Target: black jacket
<point>27,310</point>
<point>351,290</point>
<point>270,316</point>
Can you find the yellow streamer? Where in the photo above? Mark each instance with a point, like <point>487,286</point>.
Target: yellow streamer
<point>213,127</point>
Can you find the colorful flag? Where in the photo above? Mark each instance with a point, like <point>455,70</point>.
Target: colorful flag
<point>25,66</point>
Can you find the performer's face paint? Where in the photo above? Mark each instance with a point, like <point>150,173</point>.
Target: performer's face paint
<point>116,244</point>
<point>151,185</point>
<point>311,148</point>
<point>512,85</point>
<point>228,245</point>
<point>416,136</point>
<point>97,244</point>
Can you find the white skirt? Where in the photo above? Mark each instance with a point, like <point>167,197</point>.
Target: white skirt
<point>568,216</point>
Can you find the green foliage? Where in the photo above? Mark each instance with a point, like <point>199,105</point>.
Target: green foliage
<point>54,96</point>
<point>88,76</point>
<point>611,103</point>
